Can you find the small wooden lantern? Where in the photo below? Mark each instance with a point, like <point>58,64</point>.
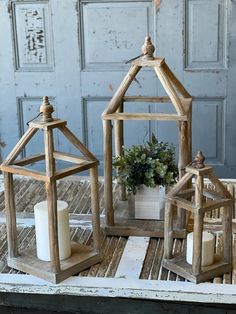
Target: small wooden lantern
<point>198,201</point>
<point>82,256</point>
<point>117,222</point>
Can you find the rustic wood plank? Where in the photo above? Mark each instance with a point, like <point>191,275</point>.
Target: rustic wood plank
<point>116,257</point>
<point>156,269</point>
<point>70,158</point>
<point>47,126</point>
<point>66,190</point>
<point>22,193</point>
<point>73,170</point>
<point>22,236</point>
<point>132,259</point>
<point>163,99</point>
<point>25,172</point>
<point>81,200</point>
<point>140,228</point>
<point>83,236</point>
<point>167,85</point>
<point>182,203</point>
<point>51,190</point>
<point>227,234</point>
<point>29,160</point>
<point>76,142</point>
<point>142,289</point>
<point>168,230</point>
<point>108,196</point>
<point>219,185</point>
<point>202,171</point>
<point>212,194</point>
<point>119,143</point>
<point>37,189</point>
<point>184,156</point>
<point>19,146</point>
<point>197,243</point>
<point>230,188</point>
<point>234,260</point>
<point>163,272</point>
<point>120,92</point>
<point>156,62</point>
<point>210,205</point>
<point>145,116</point>
<point>177,249</point>
<point>175,81</point>
<point>199,191</point>
<point>182,182</point>
<point>227,279</point>
<point>234,214</point>
<point>95,208</point>
<point>81,257</point>
<point>148,261</point>
<point>11,215</point>
<point>111,245</point>
<point>93,270</point>
<point>180,266</point>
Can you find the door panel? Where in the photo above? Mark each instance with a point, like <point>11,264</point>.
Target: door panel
<point>208,131</point>
<point>206,34</point>
<point>111,31</point>
<point>32,32</point>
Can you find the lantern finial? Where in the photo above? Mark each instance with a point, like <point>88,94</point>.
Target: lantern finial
<point>148,48</point>
<point>199,160</point>
<point>47,110</point>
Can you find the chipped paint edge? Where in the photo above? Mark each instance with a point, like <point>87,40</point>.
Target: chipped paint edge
<point>132,288</point>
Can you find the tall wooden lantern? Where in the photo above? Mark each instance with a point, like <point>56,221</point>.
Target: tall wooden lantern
<point>82,256</point>
<point>116,223</point>
<point>198,200</point>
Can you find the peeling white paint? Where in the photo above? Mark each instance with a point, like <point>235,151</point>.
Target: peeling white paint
<point>117,287</point>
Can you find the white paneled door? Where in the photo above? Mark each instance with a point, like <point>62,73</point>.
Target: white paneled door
<point>75,52</point>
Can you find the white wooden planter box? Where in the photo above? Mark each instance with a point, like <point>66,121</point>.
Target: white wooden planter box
<point>148,203</point>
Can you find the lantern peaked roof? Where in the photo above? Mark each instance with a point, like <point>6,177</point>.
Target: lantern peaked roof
<point>177,94</point>
<point>186,198</point>
<point>48,123</point>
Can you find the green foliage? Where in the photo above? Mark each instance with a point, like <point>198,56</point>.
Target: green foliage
<point>150,164</point>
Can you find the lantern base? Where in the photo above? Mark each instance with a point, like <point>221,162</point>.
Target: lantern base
<point>141,228</point>
<point>82,257</point>
<point>125,225</point>
<point>179,266</point>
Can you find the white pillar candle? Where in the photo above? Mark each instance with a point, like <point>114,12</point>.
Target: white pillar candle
<point>207,248</point>
<point>42,233</point>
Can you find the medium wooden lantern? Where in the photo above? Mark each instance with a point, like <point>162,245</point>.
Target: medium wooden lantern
<point>198,201</point>
<point>82,256</point>
<point>117,222</point>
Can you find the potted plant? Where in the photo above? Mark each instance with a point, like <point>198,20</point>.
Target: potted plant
<point>146,170</point>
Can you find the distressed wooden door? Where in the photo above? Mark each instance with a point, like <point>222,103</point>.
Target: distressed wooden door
<point>74,51</point>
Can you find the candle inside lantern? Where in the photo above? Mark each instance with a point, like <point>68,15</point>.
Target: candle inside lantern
<point>42,233</point>
<point>207,248</point>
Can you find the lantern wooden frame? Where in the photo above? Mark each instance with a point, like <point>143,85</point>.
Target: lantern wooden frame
<point>82,256</point>
<point>116,223</point>
<point>198,201</point>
